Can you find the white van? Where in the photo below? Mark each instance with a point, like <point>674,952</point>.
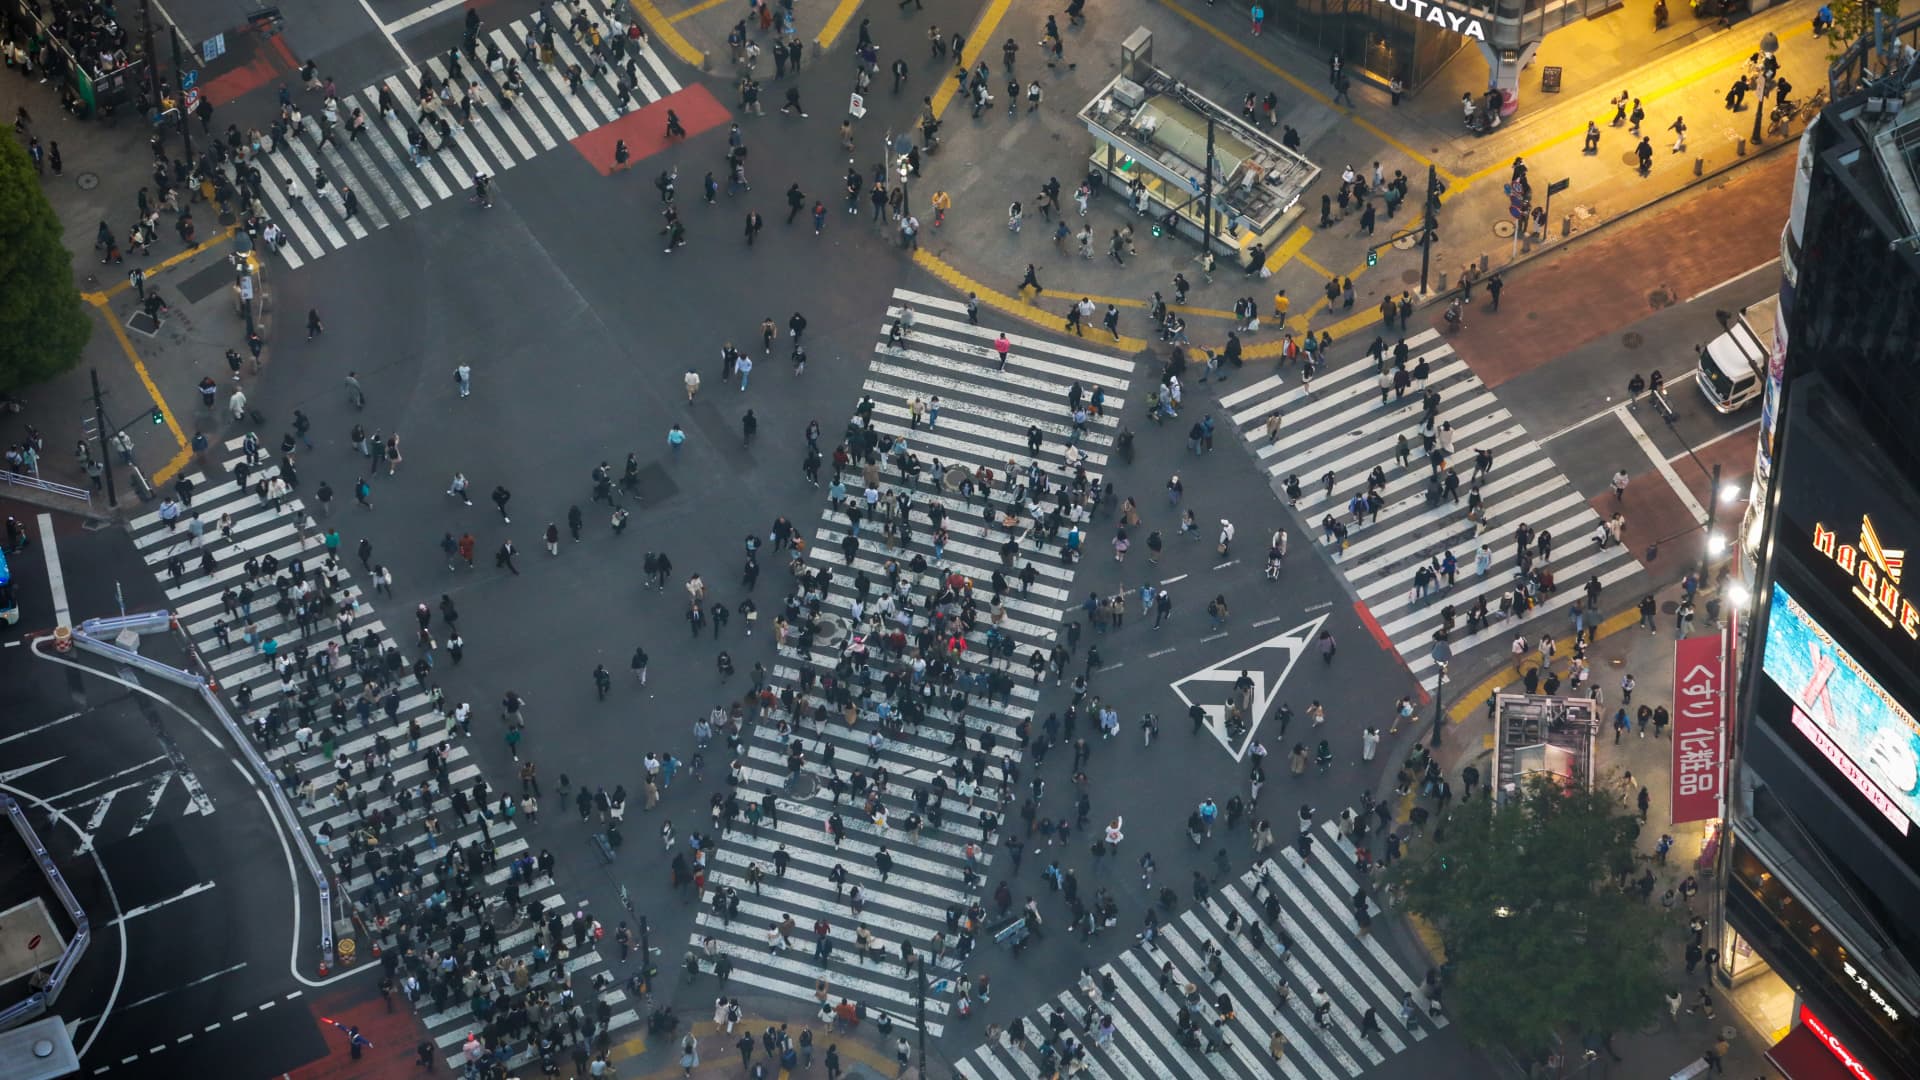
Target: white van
<point>1733,367</point>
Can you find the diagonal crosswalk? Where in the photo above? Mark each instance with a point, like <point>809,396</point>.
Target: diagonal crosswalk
<point>946,760</point>
<point>1286,921</point>
<point>1343,427</point>
<point>504,131</point>
<point>398,762</point>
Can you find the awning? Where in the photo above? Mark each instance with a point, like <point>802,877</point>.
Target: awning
<point>1802,1056</point>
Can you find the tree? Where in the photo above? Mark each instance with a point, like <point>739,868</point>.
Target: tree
<point>1537,934</point>
<point>42,325</point>
<point>1853,20</point>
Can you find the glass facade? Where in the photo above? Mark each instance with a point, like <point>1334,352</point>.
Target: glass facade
<point>1369,36</point>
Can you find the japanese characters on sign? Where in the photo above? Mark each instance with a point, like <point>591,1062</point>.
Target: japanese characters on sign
<point>1699,703</point>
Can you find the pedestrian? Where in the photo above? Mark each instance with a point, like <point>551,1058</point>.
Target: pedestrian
<point>1679,129</point>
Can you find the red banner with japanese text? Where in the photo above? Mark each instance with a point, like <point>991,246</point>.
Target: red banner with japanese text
<point>1699,728</point>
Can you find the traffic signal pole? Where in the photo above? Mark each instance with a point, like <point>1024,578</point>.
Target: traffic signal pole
<point>1429,226</point>
<point>106,447</point>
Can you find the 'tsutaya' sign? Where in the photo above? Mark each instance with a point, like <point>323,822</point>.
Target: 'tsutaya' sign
<point>1460,22</point>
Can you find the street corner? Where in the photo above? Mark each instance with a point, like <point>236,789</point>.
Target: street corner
<point>1665,508</point>
<point>692,30</point>
<point>645,129</point>
<point>250,62</point>
<point>388,1036</point>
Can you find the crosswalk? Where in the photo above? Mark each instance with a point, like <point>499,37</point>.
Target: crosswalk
<point>984,418</point>
<point>378,164</point>
<point>1342,427</point>
<point>1324,950</point>
<point>196,598</point>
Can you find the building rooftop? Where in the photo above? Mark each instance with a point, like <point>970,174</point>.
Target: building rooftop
<point>1163,124</point>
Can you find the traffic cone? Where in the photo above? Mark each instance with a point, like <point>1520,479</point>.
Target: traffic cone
<point>376,949</point>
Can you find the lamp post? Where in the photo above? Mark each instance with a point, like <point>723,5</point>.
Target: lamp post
<point>1442,652</point>
<point>1768,46</point>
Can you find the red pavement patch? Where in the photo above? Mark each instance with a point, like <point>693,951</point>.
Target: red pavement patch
<point>1623,273</point>
<point>645,129</point>
<point>275,61</point>
<point>393,1034</point>
<point>1655,514</point>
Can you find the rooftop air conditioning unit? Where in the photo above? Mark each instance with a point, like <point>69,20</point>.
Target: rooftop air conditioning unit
<point>1129,94</point>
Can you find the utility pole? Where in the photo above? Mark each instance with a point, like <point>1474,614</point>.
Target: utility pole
<point>920,1006</point>
<point>1429,226</point>
<point>1206,197</point>
<point>1713,513</point>
<point>179,73</point>
<point>100,424</point>
<point>153,58</point>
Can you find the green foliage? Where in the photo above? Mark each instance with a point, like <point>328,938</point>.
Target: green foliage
<point>1539,938</point>
<point>42,325</point>
<point>1853,20</point>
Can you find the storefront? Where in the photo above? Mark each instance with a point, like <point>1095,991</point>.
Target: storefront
<point>1824,868</point>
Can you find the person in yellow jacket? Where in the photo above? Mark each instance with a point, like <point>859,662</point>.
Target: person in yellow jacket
<point>1281,305</point>
<point>942,202</point>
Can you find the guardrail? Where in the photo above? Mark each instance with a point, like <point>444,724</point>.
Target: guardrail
<point>42,999</point>
<point>90,636</point>
<point>15,479</point>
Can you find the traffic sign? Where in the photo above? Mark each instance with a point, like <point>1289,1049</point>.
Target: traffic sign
<point>1559,186</point>
<point>189,80</point>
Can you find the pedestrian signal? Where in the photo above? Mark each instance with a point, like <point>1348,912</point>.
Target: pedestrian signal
<point>1373,256</point>
<point>158,418</point>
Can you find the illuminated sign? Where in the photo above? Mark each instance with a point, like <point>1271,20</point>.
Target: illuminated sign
<point>1872,991</point>
<point>1804,725</point>
<point>1697,702</point>
<point>1446,18</point>
<point>1834,1045</point>
<point>1876,572</point>
<point>1844,712</point>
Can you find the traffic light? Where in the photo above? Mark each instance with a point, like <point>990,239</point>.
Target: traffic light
<point>158,418</point>
<point>1373,256</point>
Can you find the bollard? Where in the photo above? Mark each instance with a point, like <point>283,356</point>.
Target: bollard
<point>1443,281</point>
<point>1566,226</point>
<point>706,60</point>
<point>1740,146</point>
<point>1699,166</point>
<point>1484,262</point>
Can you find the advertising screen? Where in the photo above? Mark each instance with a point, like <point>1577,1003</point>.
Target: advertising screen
<point>1843,713</point>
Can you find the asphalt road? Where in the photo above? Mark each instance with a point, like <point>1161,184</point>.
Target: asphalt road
<point>164,839</point>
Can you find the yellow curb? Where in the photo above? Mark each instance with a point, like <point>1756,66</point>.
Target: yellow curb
<point>1299,84</point>
<point>1011,305</point>
<point>977,42</point>
<point>836,24</point>
<point>1736,60</point>
<point>1288,248</point>
<point>1125,302</point>
<point>661,29</point>
<point>170,469</point>
<point>178,257</point>
<point>1429,938</point>
<point>855,1051</point>
<point>1302,259</point>
<point>1476,699</point>
<point>704,5</point>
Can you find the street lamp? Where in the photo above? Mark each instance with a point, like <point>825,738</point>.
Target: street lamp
<point>1768,46</point>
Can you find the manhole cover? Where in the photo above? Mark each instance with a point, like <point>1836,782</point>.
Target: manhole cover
<point>1406,242</point>
<point>1631,340</point>
<point>829,631</point>
<point>87,181</point>
<point>1503,229</point>
<point>1408,277</point>
<point>1660,297</point>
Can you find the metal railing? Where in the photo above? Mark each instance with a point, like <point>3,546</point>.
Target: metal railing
<point>25,480</point>
<point>93,636</point>
<point>42,998</point>
<point>1886,53</point>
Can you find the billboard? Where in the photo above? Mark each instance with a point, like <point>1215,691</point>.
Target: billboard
<point>1699,706</point>
<point>1847,717</point>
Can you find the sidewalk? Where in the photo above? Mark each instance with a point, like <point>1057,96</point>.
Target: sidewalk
<point>1210,48</point>
<point>106,165</point>
<point>1622,647</point>
<point>863,1053</point>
